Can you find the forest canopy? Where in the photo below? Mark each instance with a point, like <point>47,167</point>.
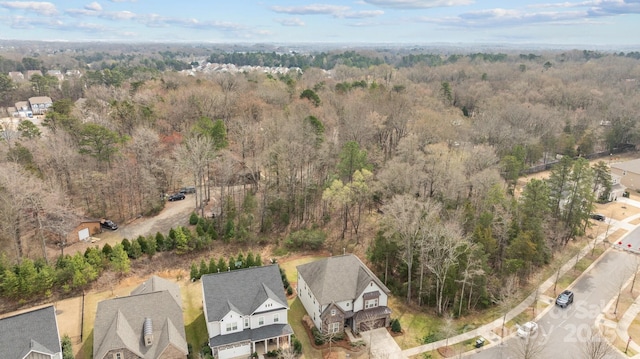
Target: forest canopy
<point>406,156</point>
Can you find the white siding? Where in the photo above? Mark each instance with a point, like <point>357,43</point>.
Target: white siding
<point>213,328</point>
<point>231,318</point>
<point>268,318</point>
<point>308,301</point>
<point>345,305</point>
<point>268,305</point>
<point>358,304</point>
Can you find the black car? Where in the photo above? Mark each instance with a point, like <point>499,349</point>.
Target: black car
<point>564,299</point>
<point>108,224</point>
<point>597,217</point>
<point>176,197</point>
<point>185,190</point>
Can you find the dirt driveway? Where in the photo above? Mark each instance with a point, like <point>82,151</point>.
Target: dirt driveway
<point>173,215</point>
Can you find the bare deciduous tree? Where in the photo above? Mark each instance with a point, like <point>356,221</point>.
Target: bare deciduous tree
<point>408,218</point>
<point>195,154</point>
<point>531,347</point>
<point>596,345</point>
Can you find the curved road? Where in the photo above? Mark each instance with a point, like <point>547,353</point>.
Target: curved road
<point>562,332</point>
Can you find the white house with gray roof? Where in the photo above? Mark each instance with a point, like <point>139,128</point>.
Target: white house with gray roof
<point>340,292</point>
<point>146,324</point>
<point>245,311</point>
<point>30,335</point>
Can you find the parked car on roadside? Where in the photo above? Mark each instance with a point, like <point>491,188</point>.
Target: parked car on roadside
<point>597,217</point>
<point>176,197</point>
<point>108,224</point>
<point>564,299</point>
<point>527,330</point>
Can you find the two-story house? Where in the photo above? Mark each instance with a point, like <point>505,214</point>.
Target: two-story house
<point>340,292</point>
<point>245,310</point>
<point>146,324</point>
<point>30,335</point>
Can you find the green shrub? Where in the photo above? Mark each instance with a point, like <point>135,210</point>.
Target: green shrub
<point>318,338</point>
<point>289,290</point>
<point>193,219</point>
<point>67,349</point>
<point>297,345</point>
<point>395,326</point>
<point>431,337</point>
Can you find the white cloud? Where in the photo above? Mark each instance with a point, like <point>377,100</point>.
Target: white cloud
<point>417,4</point>
<point>363,14</point>
<point>94,6</point>
<point>313,9</point>
<point>336,11</point>
<point>42,8</point>
<point>290,22</point>
<point>123,0</point>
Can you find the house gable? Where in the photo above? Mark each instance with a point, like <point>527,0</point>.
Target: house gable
<point>123,324</point>
<point>35,331</point>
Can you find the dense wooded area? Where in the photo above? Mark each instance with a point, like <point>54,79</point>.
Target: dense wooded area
<point>411,158</point>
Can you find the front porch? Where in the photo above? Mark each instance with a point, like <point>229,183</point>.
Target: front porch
<point>269,345</point>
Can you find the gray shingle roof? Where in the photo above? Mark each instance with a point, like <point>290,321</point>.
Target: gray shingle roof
<point>119,324</point>
<point>338,278</point>
<point>254,335</point>
<point>242,290</point>
<point>157,284</point>
<point>36,330</point>
<point>632,166</point>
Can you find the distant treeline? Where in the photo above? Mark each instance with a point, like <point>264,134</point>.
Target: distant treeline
<point>176,61</point>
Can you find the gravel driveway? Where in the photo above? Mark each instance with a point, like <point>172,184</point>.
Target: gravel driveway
<point>173,215</point>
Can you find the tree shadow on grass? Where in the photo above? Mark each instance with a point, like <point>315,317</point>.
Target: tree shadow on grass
<point>196,332</point>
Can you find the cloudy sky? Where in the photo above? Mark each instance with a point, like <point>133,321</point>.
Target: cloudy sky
<point>590,22</point>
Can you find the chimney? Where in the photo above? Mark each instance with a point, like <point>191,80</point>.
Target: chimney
<point>148,332</point>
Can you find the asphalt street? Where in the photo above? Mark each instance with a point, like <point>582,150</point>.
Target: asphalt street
<point>561,331</point>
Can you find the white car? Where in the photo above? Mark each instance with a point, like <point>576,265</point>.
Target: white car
<point>527,330</point>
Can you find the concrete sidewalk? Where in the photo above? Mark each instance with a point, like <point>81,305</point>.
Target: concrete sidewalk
<point>486,331</point>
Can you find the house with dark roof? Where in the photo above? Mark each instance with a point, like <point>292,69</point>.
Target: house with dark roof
<point>30,335</point>
<point>340,292</point>
<point>146,324</point>
<point>245,311</point>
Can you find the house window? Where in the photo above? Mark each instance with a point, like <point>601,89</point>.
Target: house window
<point>348,304</point>
<point>246,322</point>
<point>333,312</point>
<point>371,303</point>
<point>117,356</point>
<point>261,321</point>
<point>276,318</point>
<point>232,326</point>
<point>334,327</point>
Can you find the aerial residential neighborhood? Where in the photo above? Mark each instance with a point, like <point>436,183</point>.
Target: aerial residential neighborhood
<point>397,179</point>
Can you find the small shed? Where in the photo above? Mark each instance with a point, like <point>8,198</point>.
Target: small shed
<point>84,230</point>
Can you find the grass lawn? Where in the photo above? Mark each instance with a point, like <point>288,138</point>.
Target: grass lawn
<point>296,312</point>
<point>415,324</point>
<point>194,322</point>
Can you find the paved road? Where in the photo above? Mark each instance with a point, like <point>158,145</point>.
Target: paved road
<point>563,330</point>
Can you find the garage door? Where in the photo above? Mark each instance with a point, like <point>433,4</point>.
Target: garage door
<point>234,352</point>
<point>83,234</point>
<point>379,323</point>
